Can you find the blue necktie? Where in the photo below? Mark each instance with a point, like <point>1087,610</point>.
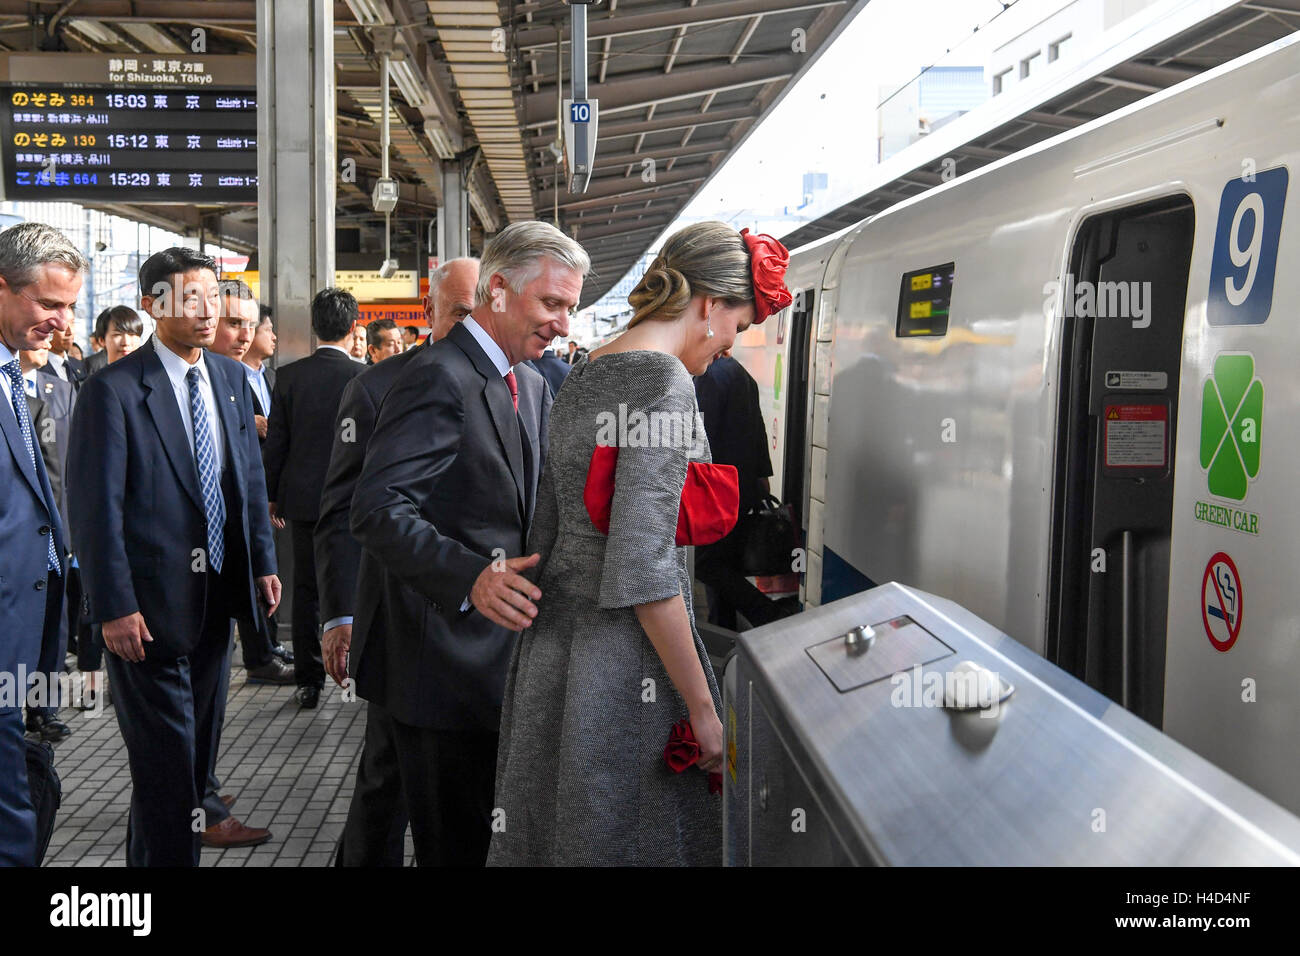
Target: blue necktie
<point>18,395</point>
<point>214,504</point>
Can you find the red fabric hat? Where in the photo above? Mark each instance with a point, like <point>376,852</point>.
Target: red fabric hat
<point>768,260</point>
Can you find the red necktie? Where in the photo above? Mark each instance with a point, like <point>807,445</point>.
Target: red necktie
<point>513,385</point>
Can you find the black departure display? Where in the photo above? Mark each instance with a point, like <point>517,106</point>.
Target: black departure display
<point>923,300</point>
<point>158,137</point>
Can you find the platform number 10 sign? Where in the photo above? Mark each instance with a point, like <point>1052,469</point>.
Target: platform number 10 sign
<point>1245,249</point>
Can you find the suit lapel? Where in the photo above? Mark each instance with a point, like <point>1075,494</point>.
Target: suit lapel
<point>14,437</point>
<point>161,402</point>
<point>497,396</point>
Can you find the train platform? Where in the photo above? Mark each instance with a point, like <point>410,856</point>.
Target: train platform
<point>290,770</point>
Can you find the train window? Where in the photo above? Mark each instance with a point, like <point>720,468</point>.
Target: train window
<point>923,299</point>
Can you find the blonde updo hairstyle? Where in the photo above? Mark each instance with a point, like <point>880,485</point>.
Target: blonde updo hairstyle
<point>706,258</point>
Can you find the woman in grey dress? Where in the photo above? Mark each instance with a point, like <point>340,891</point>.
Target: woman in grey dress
<point>612,659</point>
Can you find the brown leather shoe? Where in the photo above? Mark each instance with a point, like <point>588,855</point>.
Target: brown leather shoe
<point>228,800</point>
<point>231,833</point>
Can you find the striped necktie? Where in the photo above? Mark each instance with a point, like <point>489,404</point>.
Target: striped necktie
<point>205,456</point>
<point>18,395</point>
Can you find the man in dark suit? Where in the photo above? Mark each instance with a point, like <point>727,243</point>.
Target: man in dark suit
<point>260,375</point>
<point>61,364</point>
<point>49,407</point>
<point>298,440</point>
<point>442,508</point>
<point>376,828</point>
<point>40,279</point>
<point>552,368</point>
<point>168,504</point>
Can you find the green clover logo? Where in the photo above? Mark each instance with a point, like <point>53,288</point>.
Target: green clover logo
<point>1232,410</point>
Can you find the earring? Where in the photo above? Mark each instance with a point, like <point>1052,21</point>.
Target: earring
<point>709,325</point>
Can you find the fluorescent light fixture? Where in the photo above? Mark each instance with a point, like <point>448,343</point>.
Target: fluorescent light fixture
<point>407,83</point>
<point>96,32</point>
<point>366,12</point>
<point>152,37</point>
<point>438,137</point>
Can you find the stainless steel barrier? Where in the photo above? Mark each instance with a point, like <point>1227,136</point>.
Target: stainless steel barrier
<point>894,727</point>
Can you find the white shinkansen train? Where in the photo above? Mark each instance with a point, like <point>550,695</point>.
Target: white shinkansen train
<point>1064,392</point>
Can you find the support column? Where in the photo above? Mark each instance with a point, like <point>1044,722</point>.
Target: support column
<point>296,163</point>
<point>453,215</point>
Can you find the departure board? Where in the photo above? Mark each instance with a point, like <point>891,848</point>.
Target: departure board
<point>142,129</point>
<point>923,300</point>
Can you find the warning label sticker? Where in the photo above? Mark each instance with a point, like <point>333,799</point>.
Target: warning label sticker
<point>1135,436</point>
<point>1136,380</point>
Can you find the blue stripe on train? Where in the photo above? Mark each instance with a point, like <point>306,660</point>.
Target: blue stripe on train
<point>840,579</point>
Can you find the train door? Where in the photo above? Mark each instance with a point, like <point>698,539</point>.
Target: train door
<point>1123,305</point>
<point>796,403</point>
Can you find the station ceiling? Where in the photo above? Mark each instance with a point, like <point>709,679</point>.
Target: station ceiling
<point>680,84</point>
<point>1215,40</point>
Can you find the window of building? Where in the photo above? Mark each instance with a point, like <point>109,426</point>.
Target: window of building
<point>1001,81</point>
<point>1054,50</point>
<point>1030,63</point>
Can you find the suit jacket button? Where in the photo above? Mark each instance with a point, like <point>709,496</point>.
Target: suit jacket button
<point>40,585</point>
<point>43,529</point>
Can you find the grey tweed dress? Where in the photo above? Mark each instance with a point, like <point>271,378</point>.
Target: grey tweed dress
<point>581,778</point>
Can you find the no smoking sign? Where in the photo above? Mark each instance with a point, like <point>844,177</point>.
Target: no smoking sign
<point>1221,602</point>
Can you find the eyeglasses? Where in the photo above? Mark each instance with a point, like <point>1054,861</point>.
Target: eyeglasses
<point>51,306</point>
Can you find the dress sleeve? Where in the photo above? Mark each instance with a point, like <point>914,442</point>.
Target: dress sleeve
<point>641,553</point>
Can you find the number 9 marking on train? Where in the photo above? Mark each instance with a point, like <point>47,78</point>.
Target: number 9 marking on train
<point>1245,249</point>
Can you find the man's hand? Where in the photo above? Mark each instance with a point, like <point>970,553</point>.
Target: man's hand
<point>502,594</point>
<point>276,520</point>
<point>260,421</point>
<point>334,646</point>
<point>127,636</point>
<point>268,589</point>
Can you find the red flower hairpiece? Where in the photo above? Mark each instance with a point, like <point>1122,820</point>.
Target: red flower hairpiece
<point>768,260</point>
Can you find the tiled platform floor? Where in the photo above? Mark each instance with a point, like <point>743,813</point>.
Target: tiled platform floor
<point>291,770</point>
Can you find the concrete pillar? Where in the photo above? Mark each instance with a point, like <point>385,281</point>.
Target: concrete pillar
<point>296,163</point>
<point>453,216</point>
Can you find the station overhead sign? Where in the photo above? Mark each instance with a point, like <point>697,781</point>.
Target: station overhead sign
<point>144,128</point>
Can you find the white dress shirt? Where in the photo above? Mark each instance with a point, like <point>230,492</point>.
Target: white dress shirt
<point>5,358</point>
<point>489,346</point>
<point>177,368</point>
<point>257,382</point>
<point>59,363</point>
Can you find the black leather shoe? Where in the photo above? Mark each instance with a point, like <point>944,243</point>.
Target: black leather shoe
<point>274,671</point>
<point>282,652</point>
<point>307,697</point>
<point>50,729</point>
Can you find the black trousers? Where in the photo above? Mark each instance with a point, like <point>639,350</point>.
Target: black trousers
<point>448,778</point>
<point>375,834</point>
<point>169,713</point>
<point>717,566</point>
<point>308,665</point>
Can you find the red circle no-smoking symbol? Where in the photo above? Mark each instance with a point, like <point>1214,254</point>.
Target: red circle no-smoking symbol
<point>1221,601</point>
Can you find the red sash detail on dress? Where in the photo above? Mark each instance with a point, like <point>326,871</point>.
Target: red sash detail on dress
<point>710,504</point>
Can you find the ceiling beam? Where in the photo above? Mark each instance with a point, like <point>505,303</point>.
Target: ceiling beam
<point>625,24</point>
<point>641,89</point>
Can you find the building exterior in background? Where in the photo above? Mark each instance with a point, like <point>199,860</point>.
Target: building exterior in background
<point>1062,32</point>
<point>115,248</point>
<point>937,96</point>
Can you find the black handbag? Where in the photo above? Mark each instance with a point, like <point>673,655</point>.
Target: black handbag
<point>767,539</point>
<point>46,791</point>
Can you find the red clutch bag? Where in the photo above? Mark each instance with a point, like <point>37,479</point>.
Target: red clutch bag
<point>683,751</point>
<point>709,507</point>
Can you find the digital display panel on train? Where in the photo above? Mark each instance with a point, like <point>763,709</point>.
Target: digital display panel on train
<point>923,300</point>
<point>162,130</point>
